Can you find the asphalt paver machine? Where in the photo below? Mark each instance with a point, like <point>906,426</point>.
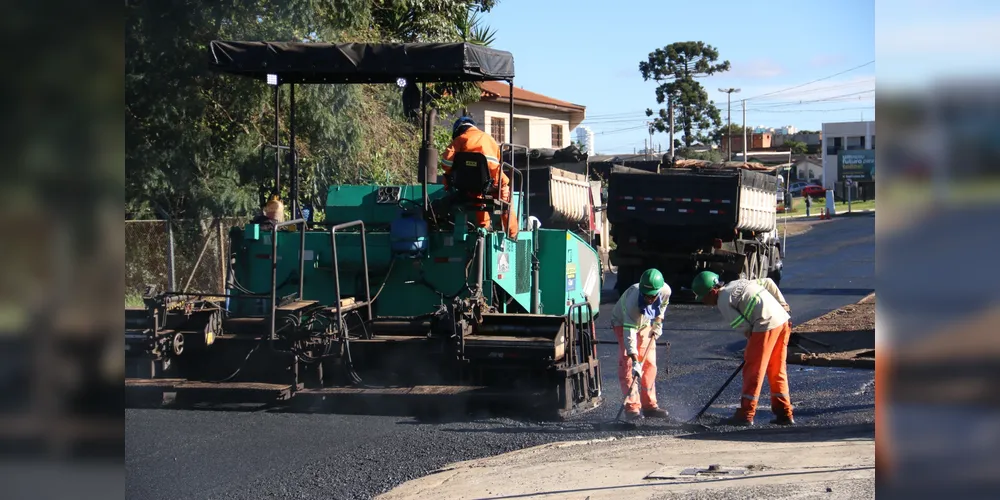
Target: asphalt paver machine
<point>396,301</point>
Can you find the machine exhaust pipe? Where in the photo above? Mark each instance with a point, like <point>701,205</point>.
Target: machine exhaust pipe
<point>480,252</point>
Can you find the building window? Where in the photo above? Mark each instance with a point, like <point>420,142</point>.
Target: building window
<point>498,128</point>
<point>833,145</point>
<point>855,143</point>
<point>557,136</point>
<point>873,142</point>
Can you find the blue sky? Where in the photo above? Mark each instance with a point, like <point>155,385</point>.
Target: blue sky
<point>588,52</point>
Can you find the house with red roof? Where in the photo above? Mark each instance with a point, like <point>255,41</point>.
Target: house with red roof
<point>539,121</point>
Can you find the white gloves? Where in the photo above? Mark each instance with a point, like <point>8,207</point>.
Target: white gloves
<point>656,329</point>
<point>637,369</point>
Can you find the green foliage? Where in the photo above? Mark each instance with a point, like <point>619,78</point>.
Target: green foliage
<point>796,147</point>
<point>675,68</point>
<point>712,155</point>
<point>733,129</point>
<point>194,137</point>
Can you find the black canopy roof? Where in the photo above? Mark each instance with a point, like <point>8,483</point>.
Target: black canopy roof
<point>295,62</point>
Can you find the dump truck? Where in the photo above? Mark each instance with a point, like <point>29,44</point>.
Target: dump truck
<point>396,303</point>
<point>684,220</point>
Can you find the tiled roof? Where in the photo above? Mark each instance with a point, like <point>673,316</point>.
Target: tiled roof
<point>500,90</point>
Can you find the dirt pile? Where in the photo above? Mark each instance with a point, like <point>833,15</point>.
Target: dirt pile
<point>844,337</point>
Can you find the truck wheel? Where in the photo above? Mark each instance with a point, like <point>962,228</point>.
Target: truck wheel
<point>625,279</point>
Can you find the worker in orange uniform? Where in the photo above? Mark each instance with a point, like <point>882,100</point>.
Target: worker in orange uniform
<point>758,309</point>
<point>637,320</point>
<point>465,137</point>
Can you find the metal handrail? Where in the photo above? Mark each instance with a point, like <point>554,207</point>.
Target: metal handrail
<point>525,179</point>
<point>274,266</point>
<point>336,268</point>
<point>520,175</point>
<point>587,353</point>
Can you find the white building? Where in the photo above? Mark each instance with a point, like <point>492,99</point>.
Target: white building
<point>585,136</point>
<point>539,121</point>
<point>843,136</point>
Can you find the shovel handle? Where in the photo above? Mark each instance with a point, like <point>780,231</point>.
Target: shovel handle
<point>719,392</point>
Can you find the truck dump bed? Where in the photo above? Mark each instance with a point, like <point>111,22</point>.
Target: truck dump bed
<point>723,199</point>
<point>561,199</point>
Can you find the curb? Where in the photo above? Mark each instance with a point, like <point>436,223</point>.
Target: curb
<point>816,217</point>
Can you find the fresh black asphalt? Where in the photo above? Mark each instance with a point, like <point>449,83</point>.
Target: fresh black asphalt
<point>174,454</point>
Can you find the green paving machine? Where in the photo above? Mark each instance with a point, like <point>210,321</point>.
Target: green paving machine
<point>396,301</point>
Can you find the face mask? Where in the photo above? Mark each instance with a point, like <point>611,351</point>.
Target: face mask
<point>649,310</point>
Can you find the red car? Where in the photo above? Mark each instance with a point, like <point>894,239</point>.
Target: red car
<point>814,191</point>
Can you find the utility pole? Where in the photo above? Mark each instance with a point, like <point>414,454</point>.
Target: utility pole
<point>670,106</point>
<point>744,101</point>
<point>650,125</point>
<point>729,119</point>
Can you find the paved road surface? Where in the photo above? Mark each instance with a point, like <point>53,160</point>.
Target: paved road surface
<point>248,455</point>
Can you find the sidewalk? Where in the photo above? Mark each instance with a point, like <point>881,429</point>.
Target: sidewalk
<point>815,214</point>
<point>784,463</point>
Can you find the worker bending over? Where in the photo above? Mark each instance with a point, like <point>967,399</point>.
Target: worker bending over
<point>637,320</point>
<point>759,311</point>
<point>467,138</point>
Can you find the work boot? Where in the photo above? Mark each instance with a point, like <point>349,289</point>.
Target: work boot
<point>783,420</point>
<point>655,413</point>
<point>632,415</point>
<point>737,421</point>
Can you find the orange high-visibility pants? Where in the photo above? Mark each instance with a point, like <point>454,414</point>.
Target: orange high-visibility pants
<point>643,396</point>
<point>766,354</point>
<point>509,217</point>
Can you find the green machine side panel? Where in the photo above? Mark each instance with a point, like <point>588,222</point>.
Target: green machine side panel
<point>404,286</point>
<point>569,272</point>
<point>507,264</point>
<point>376,205</point>
<point>411,286</point>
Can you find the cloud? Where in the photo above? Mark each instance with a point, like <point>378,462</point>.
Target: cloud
<point>756,68</point>
<point>827,60</point>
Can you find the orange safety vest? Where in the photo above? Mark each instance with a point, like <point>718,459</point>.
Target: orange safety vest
<point>473,140</point>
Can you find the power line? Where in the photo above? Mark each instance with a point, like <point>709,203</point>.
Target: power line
<point>811,110</point>
<point>620,130</point>
<point>637,116</point>
<point>848,97</point>
<point>812,82</point>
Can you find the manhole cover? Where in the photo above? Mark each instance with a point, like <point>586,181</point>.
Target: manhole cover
<point>699,472</point>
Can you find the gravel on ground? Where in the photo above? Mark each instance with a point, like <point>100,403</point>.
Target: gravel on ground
<point>844,337</point>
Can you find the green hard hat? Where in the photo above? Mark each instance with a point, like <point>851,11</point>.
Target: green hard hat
<point>703,283</point>
<point>651,282</point>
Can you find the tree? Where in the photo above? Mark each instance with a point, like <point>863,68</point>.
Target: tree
<point>796,147</point>
<point>732,129</point>
<point>194,137</point>
<point>675,68</point>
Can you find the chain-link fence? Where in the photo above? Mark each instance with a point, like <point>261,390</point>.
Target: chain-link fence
<point>182,255</point>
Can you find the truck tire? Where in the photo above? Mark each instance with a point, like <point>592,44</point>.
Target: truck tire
<point>625,279</point>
